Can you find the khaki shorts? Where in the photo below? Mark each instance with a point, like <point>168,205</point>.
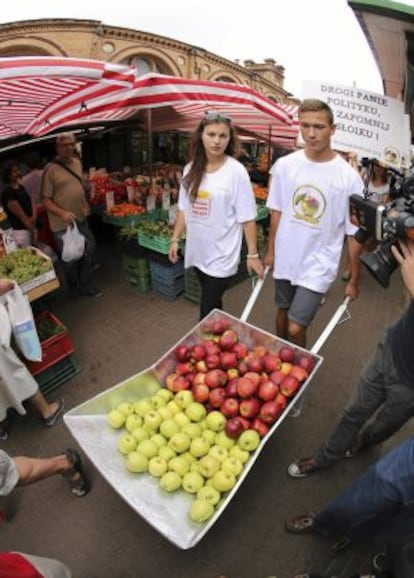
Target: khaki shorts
<point>9,476</point>
<point>301,303</point>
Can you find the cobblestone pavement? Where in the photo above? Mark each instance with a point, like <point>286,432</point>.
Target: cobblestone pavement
<point>120,334</point>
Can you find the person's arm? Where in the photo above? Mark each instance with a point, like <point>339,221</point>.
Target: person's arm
<point>354,251</point>
<point>179,229</point>
<point>253,260</point>
<point>67,216</point>
<point>15,208</point>
<point>6,285</point>
<point>404,255</point>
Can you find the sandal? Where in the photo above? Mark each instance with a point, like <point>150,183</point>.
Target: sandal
<point>52,419</point>
<point>303,524</point>
<point>79,485</point>
<point>303,467</point>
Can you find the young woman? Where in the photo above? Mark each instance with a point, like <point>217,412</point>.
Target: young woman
<point>379,186</point>
<point>216,206</point>
<point>18,206</point>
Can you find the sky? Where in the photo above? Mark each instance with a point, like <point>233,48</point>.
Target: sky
<point>312,39</point>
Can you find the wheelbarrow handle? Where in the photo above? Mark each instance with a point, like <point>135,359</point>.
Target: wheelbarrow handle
<point>335,319</point>
<point>254,295</point>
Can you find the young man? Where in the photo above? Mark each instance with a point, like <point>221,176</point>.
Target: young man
<point>309,202</point>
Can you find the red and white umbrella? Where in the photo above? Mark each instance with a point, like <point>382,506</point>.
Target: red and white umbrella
<point>34,91</point>
<point>179,103</point>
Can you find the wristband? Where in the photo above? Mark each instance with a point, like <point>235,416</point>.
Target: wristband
<point>173,241</point>
<point>255,256</point>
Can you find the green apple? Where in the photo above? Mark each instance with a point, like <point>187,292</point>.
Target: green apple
<point>126,443</point>
<point>223,481</point>
<point>132,422</point>
<point>193,430</point>
<point>219,453</point>
<point>158,401</point>
<point>170,481</point>
<point>179,465</point>
<point>222,439</point>
<point>210,494</point>
<point>192,482</point>
<point>152,420</point>
<point>189,457</point>
<point>183,398</point>
<point>179,442</point>
<point>215,421</point>
<point>136,462</point>
<point>141,433</point>
<point>195,411</point>
<point>237,452</point>
<point>157,466</point>
<point>173,407</point>
<point>159,440</point>
<point>166,453</point>
<point>201,510</point>
<point>199,447</point>
<point>165,412</point>
<point>210,436</point>
<point>165,393</point>
<point>195,467</point>
<point>232,465</point>
<point>115,418</point>
<point>208,466</point>
<point>249,440</point>
<point>169,427</point>
<point>126,407</point>
<point>142,406</point>
<point>181,419</point>
<point>148,448</point>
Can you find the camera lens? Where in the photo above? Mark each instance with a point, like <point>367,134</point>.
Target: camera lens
<point>380,263</point>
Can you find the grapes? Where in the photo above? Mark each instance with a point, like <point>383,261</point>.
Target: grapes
<point>23,265</point>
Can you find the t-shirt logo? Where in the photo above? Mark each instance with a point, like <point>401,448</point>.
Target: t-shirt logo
<point>309,204</point>
<point>200,209</point>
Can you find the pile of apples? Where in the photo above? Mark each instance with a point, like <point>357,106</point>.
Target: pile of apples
<point>250,387</point>
<point>174,439</point>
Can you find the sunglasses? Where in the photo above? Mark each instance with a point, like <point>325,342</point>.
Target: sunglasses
<point>217,117</point>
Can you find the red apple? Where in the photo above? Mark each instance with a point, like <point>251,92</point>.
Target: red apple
<point>212,361</point>
<point>180,383</point>
<point>228,360</point>
<point>216,397</point>
<point>211,347</point>
<point>306,362</point>
<point>234,427</point>
<point>229,407</point>
<point>169,380</point>
<point>271,362</point>
<point>277,377</point>
<point>219,326</point>
<point>215,378</point>
<point>253,376</point>
<point>254,364</point>
<point>269,412</point>
<point>268,390</point>
<point>201,392</point>
<point>287,353</point>
<point>240,350</point>
<point>289,386</point>
<point>259,351</point>
<point>245,422</point>
<point>228,339</point>
<point>183,368</point>
<point>242,367</point>
<point>231,387</point>
<point>198,352</point>
<point>286,367</point>
<point>261,428</point>
<point>299,372</point>
<point>199,378</point>
<point>249,408</point>
<point>246,387</point>
<point>182,353</point>
<point>281,401</point>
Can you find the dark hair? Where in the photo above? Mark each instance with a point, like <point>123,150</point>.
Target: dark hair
<point>316,105</point>
<point>7,170</point>
<point>197,154</point>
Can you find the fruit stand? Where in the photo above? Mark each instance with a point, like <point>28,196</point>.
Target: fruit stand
<point>168,511</point>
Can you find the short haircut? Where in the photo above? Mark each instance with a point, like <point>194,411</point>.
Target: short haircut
<point>316,105</point>
<point>65,136</point>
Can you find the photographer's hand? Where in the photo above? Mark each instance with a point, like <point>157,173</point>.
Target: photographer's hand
<point>404,255</point>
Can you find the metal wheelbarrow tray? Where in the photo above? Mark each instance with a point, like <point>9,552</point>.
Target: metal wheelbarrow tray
<point>167,513</point>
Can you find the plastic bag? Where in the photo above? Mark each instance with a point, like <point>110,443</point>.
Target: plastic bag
<point>73,244</point>
<point>23,325</point>
<point>5,327</point>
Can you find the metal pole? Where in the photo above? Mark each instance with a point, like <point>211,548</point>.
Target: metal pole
<point>149,143</point>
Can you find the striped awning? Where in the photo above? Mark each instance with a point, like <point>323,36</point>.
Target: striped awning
<point>178,104</point>
<point>34,91</point>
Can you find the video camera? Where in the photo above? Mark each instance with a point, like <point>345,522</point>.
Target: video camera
<point>385,222</point>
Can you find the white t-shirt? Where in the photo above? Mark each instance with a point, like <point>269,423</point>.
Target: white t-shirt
<point>214,221</point>
<point>314,201</point>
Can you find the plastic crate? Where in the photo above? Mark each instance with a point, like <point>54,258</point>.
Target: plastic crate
<point>168,289</point>
<point>168,272</point>
<point>157,257</point>
<point>159,244</point>
<point>141,283</point>
<point>54,349</point>
<point>133,265</point>
<point>58,374</point>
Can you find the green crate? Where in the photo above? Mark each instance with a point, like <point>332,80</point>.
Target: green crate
<point>141,283</point>
<point>135,266</point>
<point>158,244</point>
<point>58,374</point>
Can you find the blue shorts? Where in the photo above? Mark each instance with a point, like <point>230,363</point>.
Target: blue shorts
<point>301,303</point>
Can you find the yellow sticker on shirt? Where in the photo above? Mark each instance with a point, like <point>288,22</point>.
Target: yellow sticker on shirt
<point>200,209</point>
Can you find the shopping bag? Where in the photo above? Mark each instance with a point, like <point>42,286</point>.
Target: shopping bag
<point>5,327</point>
<point>73,244</point>
<point>23,325</point>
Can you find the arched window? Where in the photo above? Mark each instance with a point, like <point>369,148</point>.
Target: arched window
<point>144,65</point>
<point>225,79</point>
